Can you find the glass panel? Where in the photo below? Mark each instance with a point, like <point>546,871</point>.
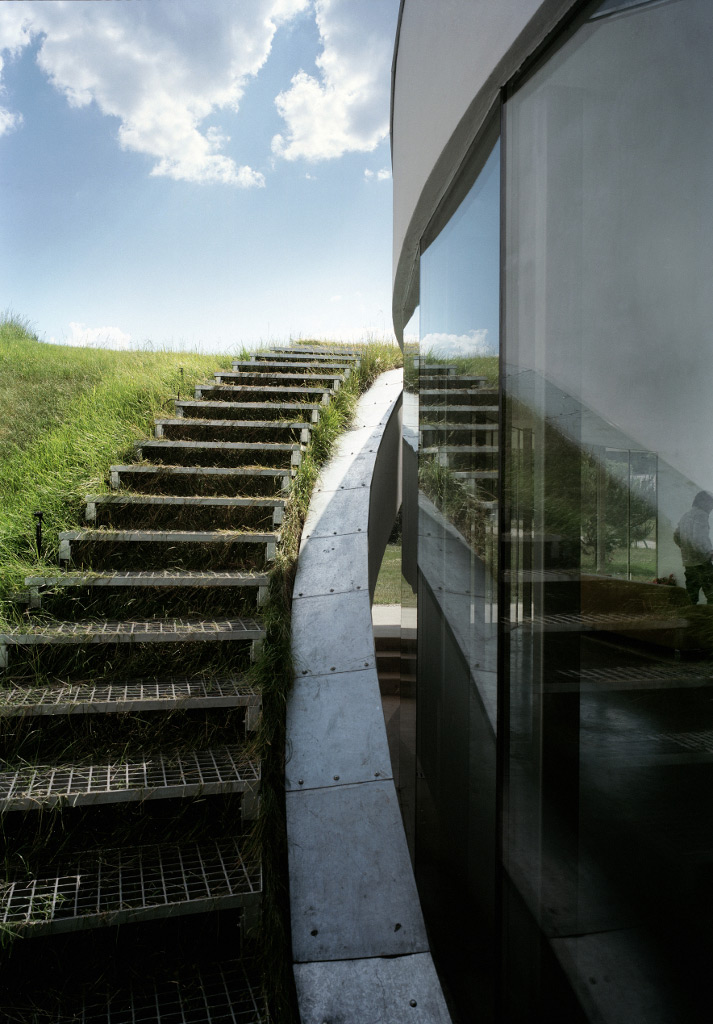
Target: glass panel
<point>608,667</point>
<point>456,373</point>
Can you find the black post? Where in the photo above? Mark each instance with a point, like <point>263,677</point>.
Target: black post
<point>39,516</point>
<point>179,386</point>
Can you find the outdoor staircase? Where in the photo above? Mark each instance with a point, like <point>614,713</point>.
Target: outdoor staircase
<point>458,426</point>
<point>131,790</point>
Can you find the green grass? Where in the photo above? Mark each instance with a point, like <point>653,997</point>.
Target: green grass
<point>67,413</point>
<point>388,585</point>
<point>73,413</point>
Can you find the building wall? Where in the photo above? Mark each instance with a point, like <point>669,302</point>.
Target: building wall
<point>564,731</point>
<point>451,59</point>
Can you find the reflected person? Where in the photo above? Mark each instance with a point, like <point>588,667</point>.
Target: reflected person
<point>693,538</point>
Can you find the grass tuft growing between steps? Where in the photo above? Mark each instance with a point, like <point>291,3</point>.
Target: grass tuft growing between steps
<point>66,414</point>
<point>274,674</point>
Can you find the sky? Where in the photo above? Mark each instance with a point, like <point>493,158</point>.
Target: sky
<point>196,173</point>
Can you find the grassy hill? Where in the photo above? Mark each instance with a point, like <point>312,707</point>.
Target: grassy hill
<point>65,415</point>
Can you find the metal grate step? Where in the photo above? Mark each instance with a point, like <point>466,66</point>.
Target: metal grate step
<point>137,695</point>
<point>188,774</point>
<point>38,585</point>
<point>112,887</point>
<point>151,631</point>
<point>204,407</point>
<point>461,449</point>
<point>263,374</point>
<point>228,390</point>
<point>107,536</point>
<point>445,426</point>
<point>271,364</point>
<point>317,350</point>
<point>162,578</point>
<point>427,381</point>
<point>229,473</point>
<point>224,446</point>
<point>434,410</point>
<point>224,993</point>
<point>146,501</point>
<point>270,426</point>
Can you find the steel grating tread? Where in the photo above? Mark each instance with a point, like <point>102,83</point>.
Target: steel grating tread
<point>261,372</point>
<point>203,470</point>
<point>111,887</point>
<point>586,621</point>
<point>119,697</point>
<point>315,350</point>
<point>205,404</point>
<point>159,630</point>
<point>195,421</point>
<point>268,389</point>
<point>172,536</point>
<point>158,578</point>
<point>429,409</point>
<point>445,426</point>
<point>224,993</point>
<point>170,499</point>
<point>461,449</point>
<point>230,446</point>
<point>186,774</point>
<point>256,366</point>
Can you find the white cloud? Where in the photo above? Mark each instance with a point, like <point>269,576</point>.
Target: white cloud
<point>97,337</point>
<point>335,298</point>
<point>474,343</point>
<point>383,175</point>
<point>161,68</point>
<point>346,109</point>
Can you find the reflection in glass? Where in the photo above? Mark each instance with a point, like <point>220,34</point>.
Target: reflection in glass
<point>455,373</point>
<point>608,667</point>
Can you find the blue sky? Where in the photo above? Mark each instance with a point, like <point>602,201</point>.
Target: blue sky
<point>199,174</point>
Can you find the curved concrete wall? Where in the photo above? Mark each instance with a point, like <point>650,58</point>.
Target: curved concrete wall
<point>358,938</point>
<point>451,60</point>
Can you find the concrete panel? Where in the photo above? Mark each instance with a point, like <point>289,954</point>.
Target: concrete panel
<point>333,565</point>
<point>362,900</point>
<point>332,633</point>
<point>404,990</point>
<point>335,513</point>
<point>336,731</point>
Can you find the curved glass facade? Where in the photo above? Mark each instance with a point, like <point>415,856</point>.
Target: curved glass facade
<point>559,500</point>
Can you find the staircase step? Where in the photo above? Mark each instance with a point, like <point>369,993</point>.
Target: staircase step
<point>464,428</point>
<point>314,350</point>
<point>202,408</point>
<point>457,396</point>
<point>110,887</point>
<point>141,501</point>
<point>460,410</point>
<point>148,631</point>
<point>461,449</point>
<point>162,578</point>
<point>200,474</point>
<point>272,364</point>
<point>188,774</point>
<point>257,449</point>
<point>220,993</point>
<point>427,381</point>
<point>106,536</point>
<point>346,355</point>
<point>261,375</point>
<point>39,585</point>
<point>235,391</point>
<point>271,427</point>
<point>137,695</point>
